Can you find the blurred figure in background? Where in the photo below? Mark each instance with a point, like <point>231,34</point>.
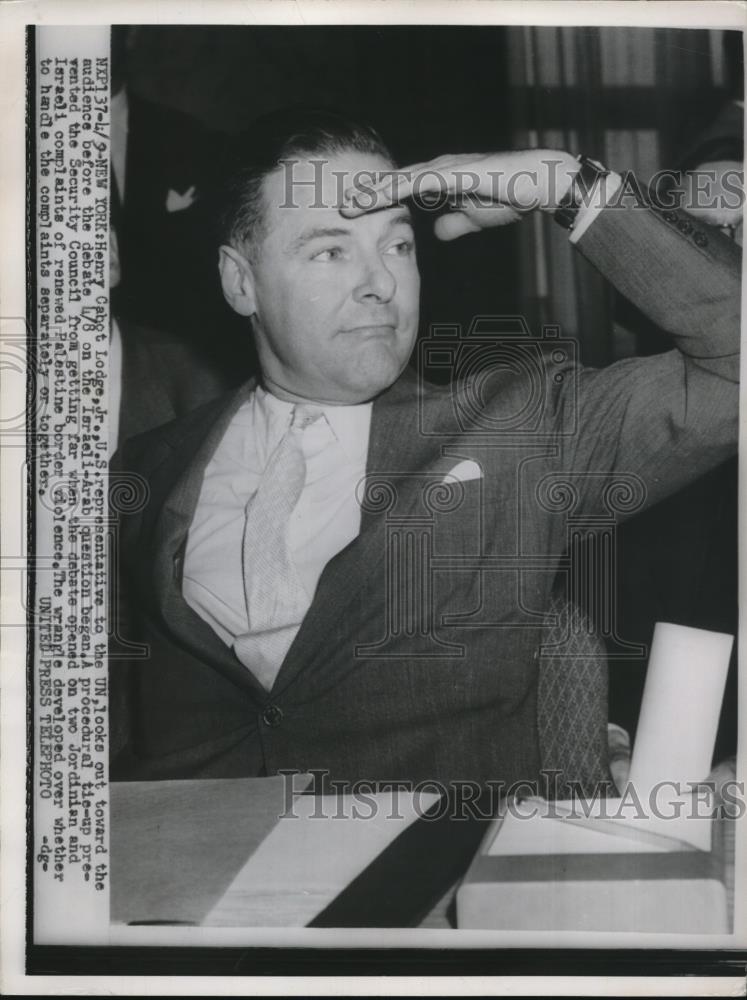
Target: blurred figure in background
<point>162,164</point>
<point>153,376</point>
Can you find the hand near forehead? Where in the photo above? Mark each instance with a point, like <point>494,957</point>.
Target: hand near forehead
<point>480,190</point>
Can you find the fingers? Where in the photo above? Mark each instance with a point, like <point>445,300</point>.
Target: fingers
<point>448,181</point>
<point>472,220</point>
<point>427,182</point>
<point>446,162</point>
<point>389,190</point>
<point>454,225</point>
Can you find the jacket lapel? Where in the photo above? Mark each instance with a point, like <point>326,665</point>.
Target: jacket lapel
<point>397,451</point>
<point>146,397</point>
<point>171,537</point>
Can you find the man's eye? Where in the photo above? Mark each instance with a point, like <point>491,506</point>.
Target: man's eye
<point>401,248</point>
<point>331,253</point>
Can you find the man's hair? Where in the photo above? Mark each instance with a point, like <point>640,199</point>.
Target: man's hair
<point>282,135</point>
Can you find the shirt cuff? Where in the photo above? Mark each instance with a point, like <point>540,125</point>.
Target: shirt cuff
<point>602,192</point>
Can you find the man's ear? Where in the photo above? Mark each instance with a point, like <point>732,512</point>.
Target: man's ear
<point>237,280</point>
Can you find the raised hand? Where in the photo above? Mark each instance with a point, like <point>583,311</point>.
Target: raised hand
<point>481,190</point>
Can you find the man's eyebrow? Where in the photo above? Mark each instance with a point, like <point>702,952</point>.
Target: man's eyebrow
<point>402,215</point>
<point>316,233</point>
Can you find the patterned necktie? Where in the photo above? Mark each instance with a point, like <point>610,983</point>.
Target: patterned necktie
<point>275,598</point>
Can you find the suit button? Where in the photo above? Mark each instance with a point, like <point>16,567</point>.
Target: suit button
<point>684,227</point>
<point>272,716</point>
<point>670,216</point>
<point>701,240</point>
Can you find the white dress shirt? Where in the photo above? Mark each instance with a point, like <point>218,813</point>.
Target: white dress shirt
<point>604,190</point>
<point>325,520</point>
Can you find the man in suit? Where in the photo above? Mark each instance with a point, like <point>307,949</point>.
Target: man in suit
<point>342,568</point>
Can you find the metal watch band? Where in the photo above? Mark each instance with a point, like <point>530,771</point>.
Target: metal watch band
<point>577,195</point>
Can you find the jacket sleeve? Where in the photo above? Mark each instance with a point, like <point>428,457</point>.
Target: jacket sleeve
<point>668,418</point>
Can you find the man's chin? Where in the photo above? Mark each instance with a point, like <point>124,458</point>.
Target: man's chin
<point>367,382</point>
<point>361,379</point>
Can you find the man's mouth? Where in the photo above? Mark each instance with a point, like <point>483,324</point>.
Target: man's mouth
<point>371,329</point>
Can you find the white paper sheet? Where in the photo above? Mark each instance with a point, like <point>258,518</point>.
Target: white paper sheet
<point>681,706</point>
<point>308,859</point>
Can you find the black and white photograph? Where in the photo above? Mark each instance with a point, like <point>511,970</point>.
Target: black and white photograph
<point>370,546</point>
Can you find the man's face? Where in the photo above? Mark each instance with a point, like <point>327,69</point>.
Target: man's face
<point>335,300</point>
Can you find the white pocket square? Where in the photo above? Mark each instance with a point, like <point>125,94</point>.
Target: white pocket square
<point>464,472</point>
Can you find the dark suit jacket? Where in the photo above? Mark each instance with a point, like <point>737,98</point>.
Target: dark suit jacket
<point>162,378</point>
<point>427,670</point>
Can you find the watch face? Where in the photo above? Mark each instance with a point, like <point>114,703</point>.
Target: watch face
<point>588,175</point>
<point>565,216</point>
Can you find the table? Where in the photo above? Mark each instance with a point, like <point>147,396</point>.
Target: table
<point>216,853</point>
<point>245,853</point>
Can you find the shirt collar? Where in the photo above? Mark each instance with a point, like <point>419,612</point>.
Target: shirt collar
<point>350,424</point>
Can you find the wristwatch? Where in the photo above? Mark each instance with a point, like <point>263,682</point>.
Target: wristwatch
<point>577,195</point>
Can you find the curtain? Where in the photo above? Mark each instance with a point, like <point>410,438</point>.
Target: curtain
<point>633,98</point>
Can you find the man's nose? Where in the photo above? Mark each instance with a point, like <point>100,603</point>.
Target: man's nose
<point>376,280</point>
